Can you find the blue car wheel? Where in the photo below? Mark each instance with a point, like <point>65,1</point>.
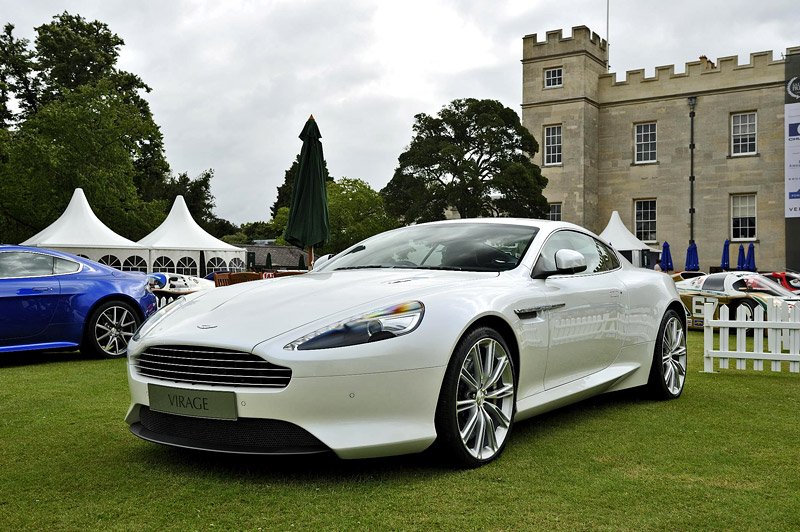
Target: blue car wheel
<point>110,328</point>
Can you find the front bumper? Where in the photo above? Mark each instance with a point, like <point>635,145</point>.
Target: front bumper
<point>355,416</point>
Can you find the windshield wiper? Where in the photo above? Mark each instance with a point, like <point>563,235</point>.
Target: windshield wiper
<point>364,267</point>
<point>356,250</point>
<point>446,268</point>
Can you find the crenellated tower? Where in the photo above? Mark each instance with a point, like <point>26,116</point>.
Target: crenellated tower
<point>569,105</point>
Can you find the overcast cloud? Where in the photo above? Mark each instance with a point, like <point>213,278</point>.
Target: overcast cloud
<point>234,81</point>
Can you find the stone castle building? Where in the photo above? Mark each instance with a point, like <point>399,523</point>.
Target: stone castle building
<point>624,145</point>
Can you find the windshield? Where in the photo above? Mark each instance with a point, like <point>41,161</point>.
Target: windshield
<point>760,283</point>
<point>457,246</point>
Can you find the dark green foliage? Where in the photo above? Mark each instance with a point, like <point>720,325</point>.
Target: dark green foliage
<point>199,200</point>
<point>260,231</point>
<point>82,122</point>
<point>473,156</point>
<point>85,139</point>
<point>356,212</point>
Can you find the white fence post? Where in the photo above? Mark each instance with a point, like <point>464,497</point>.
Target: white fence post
<point>783,337</point>
<point>708,338</point>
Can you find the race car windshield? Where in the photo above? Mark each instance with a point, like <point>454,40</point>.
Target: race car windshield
<point>763,285</point>
<point>453,246</point>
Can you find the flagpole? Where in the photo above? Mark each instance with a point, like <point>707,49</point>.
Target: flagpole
<point>608,38</point>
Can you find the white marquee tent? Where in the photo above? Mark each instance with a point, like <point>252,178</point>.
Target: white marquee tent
<point>79,231</point>
<point>621,239</point>
<point>180,245</point>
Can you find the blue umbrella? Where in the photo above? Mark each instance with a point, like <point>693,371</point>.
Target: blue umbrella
<point>751,258</point>
<point>692,260</point>
<point>666,258</point>
<point>741,263</point>
<point>725,263</point>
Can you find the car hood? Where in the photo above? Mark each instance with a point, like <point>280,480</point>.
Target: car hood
<point>249,313</point>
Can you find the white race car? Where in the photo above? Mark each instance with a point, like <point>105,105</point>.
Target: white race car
<point>446,332</point>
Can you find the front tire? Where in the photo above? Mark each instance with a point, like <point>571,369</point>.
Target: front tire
<point>476,404</point>
<point>109,329</point>
<point>668,371</point>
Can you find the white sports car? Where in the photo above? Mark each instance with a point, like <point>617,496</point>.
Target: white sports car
<point>447,332</point>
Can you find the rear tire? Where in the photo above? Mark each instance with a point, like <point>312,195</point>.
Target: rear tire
<point>477,401</point>
<point>668,371</point>
<point>748,304</point>
<point>109,329</point>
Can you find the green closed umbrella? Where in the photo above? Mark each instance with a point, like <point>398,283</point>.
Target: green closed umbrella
<point>308,214</point>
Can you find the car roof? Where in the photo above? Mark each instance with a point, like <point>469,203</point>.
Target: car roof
<point>544,225</point>
<point>46,251</point>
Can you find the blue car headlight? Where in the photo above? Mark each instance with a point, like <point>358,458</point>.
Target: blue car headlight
<point>388,322</point>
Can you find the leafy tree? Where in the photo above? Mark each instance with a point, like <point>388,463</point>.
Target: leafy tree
<point>277,226</point>
<point>473,156</point>
<point>81,121</point>
<point>284,198</point>
<point>355,212</point>
<point>258,231</point>
<point>236,239</point>
<point>82,140</point>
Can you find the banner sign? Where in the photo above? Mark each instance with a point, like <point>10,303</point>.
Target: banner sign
<point>792,135</point>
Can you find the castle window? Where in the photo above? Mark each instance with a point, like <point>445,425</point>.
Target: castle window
<point>555,212</point>
<point>552,145</point>
<point>743,134</point>
<point>646,143</point>
<point>553,77</point>
<point>743,216</point>
<point>646,220</point>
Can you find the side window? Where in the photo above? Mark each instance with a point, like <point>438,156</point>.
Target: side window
<point>24,264</point>
<point>65,266</point>
<point>715,283</point>
<point>608,259</point>
<point>599,258</point>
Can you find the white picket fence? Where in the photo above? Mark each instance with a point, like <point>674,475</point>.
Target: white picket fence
<point>164,301</point>
<point>782,326</point>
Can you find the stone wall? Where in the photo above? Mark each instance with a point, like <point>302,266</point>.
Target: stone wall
<point>598,116</point>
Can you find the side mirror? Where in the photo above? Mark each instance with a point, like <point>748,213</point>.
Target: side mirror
<point>570,261</point>
<point>321,260</point>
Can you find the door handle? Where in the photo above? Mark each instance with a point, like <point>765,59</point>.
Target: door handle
<point>614,292</point>
<point>42,289</point>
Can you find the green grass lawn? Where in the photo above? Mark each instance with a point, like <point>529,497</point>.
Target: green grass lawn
<point>726,455</point>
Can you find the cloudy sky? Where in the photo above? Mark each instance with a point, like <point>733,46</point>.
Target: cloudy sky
<point>234,81</point>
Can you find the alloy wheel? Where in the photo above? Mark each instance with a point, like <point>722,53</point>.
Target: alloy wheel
<point>485,398</point>
<point>113,330</point>
<point>673,355</point>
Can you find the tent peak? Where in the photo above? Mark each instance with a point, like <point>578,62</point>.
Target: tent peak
<point>79,227</point>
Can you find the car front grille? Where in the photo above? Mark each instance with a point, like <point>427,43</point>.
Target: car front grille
<point>244,435</point>
<point>210,365</point>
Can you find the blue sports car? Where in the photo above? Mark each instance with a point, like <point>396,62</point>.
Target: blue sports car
<point>54,300</point>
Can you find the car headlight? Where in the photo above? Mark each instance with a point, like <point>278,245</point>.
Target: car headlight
<point>382,324</point>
